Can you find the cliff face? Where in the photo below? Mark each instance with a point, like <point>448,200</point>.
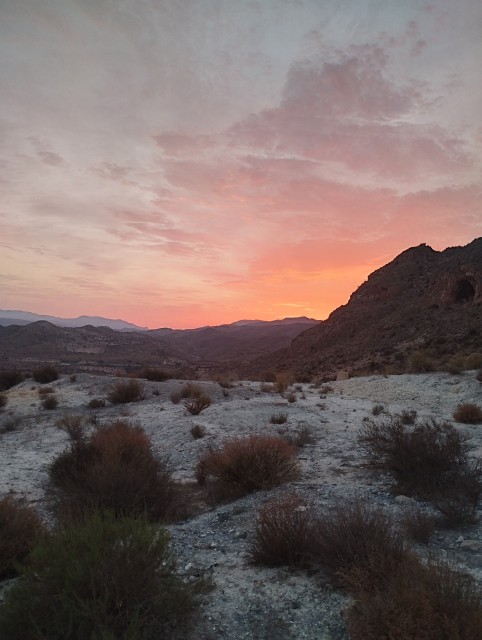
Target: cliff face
<point>423,299</point>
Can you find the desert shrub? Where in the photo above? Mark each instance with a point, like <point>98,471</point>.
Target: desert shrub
<point>291,397</point>
<point>73,425</point>
<point>267,387</point>
<point>358,535</point>
<point>325,388</point>
<point>408,416</point>
<point>11,423</point>
<point>283,381</point>
<point>278,418</point>
<point>49,402</point>
<point>153,374</point>
<point>44,391</point>
<point>198,431</point>
<point>430,460</point>
<point>284,532</point>
<point>114,468</point>
<point>96,403</point>
<point>468,413</point>
<point>3,399</point>
<point>455,365</point>
<point>123,392</point>
<point>44,375</point>
<point>19,528</point>
<point>431,600</point>
<point>421,362</point>
<point>195,405</point>
<point>417,524</point>
<point>9,379</point>
<point>73,378</point>
<point>188,390</point>
<point>243,465</point>
<point>225,384</point>
<point>303,437</point>
<point>473,361</point>
<point>377,409</point>
<point>104,578</point>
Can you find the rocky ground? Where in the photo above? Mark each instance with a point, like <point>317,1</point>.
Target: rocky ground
<point>249,601</point>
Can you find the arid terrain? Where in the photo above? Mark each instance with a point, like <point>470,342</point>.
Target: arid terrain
<point>251,601</point>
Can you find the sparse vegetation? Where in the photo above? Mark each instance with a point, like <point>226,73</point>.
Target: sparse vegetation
<point>44,391</point>
<point>188,390</point>
<point>195,405</point>
<point>421,362</point>
<point>3,399</point>
<point>377,409</point>
<point>243,465</point>
<point>73,425</point>
<point>408,416</point>
<point>49,402</point>
<point>123,392</point>
<point>96,403</point>
<point>418,524</point>
<point>19,528</point>
<point>303,436</point>
<point>283,381</point>
<point>267,387</point>
<point>291,397</point>
<point>9,379</point>
<point>198,431</point>
<point>284,532</point>
<point>114,468</point>
<point>430,460</point>
<point>153,374</point>
<point>468,413</point>
<point>102,577</point>
<point>278,418</point>
<point>44,375</point>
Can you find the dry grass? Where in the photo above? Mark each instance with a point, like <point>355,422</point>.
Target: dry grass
<point>194,406</point>
<point>247,464</point>
<point>430,460</point>
<point>114,468</point>
<point>468,413</point>
<point>284,532</point>
<point>44,375</point>
<point>73,425</point>
<point>124,392</point>
<point>20,527</point>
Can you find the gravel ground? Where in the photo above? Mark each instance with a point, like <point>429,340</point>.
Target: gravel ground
<point>249,601</point>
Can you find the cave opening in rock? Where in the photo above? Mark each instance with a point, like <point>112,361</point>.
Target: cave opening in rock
<point>464,291</point>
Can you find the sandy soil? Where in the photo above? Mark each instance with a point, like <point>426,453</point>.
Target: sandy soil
<point>250,602</point>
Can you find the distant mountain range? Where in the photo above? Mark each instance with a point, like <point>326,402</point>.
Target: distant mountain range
<point>21,318</point>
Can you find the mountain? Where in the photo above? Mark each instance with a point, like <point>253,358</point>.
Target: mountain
<point>424,302</point>
<point>8,318</point>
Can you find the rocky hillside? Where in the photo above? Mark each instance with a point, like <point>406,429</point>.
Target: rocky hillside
<point>424,302</point>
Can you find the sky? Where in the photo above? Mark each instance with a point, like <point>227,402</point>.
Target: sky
<point>190,162</point>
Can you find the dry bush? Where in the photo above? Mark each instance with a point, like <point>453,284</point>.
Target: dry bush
<point>11,423</point>
<point>468,413</point>
<point>291,397</point>
<point>101,578</point>
<point>430,460</point>
<point>278,418</point>
<point>19,528</point>
<point>3,399</point>
<point>283,381</point>
<point>473,361</point>
<point>284,532</point>
<point>195,405</point>
<point>420,602</point>
<point>44,375</point>
<point>188,390</point>
<point>408,416</point>
<point>9,379</point>
<point>421,362</point>
<point>358,535</point>
<point>248,464</point>
<point>114,468</point>
<point>44,391</point>
<point>50,402</point>
<point>455,365</point>
<point>153,374</point>
<point>124,392</point>
<point>377,409</point>
<point>418,524</point>
<point>73,425</point>
<point>325,388</point>
<point>198,431</point>
<point>267,387</point>
<point>303,437</point>
<point>96,403</point>
<point>225,384</point>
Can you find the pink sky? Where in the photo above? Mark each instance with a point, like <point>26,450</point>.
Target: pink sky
<point>189,162</point>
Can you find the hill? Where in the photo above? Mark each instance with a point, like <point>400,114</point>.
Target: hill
<point>423,305</point>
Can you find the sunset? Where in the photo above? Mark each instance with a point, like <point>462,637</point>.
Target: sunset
<point>194,162</point>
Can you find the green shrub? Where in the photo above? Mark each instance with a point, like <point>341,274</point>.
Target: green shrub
<point>9,379</point>
<point>114,468</point>
<point>44,375</point>
<point>19,528</point>
<point>103,578</point>
<point>123,392</point>
<point>248,464</point>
